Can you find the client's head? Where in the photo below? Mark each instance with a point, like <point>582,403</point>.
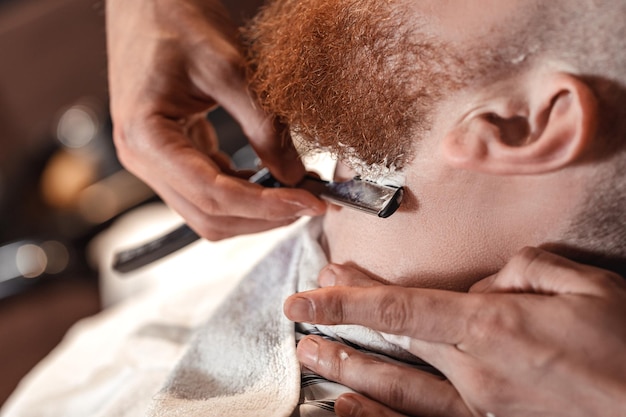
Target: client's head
<point>506,119</point>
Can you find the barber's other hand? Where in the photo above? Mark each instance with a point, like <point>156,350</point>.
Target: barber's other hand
<point>170,61</point>
<point>543,337</point>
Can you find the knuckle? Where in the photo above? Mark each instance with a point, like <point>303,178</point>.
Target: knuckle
<point>393,386</point>
<point>125,130</point>
<point>394,393</point>
<point>214,236</point>
<point>332,362</point>
<point>393,312</point>
<point>209,204</point>
<point>128,140</point>
<point>494,319</point>
<point>208,201</point>
<point>210,232</point>
<point>334,309</point>
<point>122,142</point>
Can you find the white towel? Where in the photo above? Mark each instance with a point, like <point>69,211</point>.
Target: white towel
<point>113,364</point>
<point>239,360</point>
<point>242,361</point>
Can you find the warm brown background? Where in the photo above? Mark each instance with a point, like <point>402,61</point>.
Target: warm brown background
<point>52,54</point>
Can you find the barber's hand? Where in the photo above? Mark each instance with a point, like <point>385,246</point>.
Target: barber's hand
<point>543,337</point>
<point>170,61</point>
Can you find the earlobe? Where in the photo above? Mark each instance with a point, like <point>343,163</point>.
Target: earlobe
<point>549,130</point>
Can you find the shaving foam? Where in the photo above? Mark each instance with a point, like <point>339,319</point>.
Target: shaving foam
<point>384,173</point>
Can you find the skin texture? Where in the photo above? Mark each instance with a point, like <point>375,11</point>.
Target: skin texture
<point>495,346</point>
<point>160,131</point>
<point>494,164</point>
<point>338,65</point>
<point>470,204</point>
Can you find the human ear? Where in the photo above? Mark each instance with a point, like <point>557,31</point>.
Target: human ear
<point>542,126</point>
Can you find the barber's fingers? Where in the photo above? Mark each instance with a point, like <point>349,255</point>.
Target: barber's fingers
<point>403,388</point>
<point>167,156</point>
<point>533,270</point>
<point>270,141</point>
<point>202,134</point>
<point>430,315</point>
<point>204,138</point>
<point>354,405</point>
<point>217,227</point>
<point>226,83</point>
<point>344,275</point>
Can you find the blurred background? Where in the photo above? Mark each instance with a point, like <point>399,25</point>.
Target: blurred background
<point>52,77</point>
<point>60,181</point>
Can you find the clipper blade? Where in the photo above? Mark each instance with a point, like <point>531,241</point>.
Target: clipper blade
<point>366,196</point>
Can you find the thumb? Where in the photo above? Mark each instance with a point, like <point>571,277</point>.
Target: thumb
<point>534,270</point>
<point>222,77</point>
<point>270,140</point>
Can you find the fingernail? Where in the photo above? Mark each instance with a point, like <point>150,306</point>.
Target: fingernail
<point>483,285</point>
<point>327,277</point>
<point>300,309</point>
<point>308,212</point>
<point>308,352</point>
<point>347,405</point>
